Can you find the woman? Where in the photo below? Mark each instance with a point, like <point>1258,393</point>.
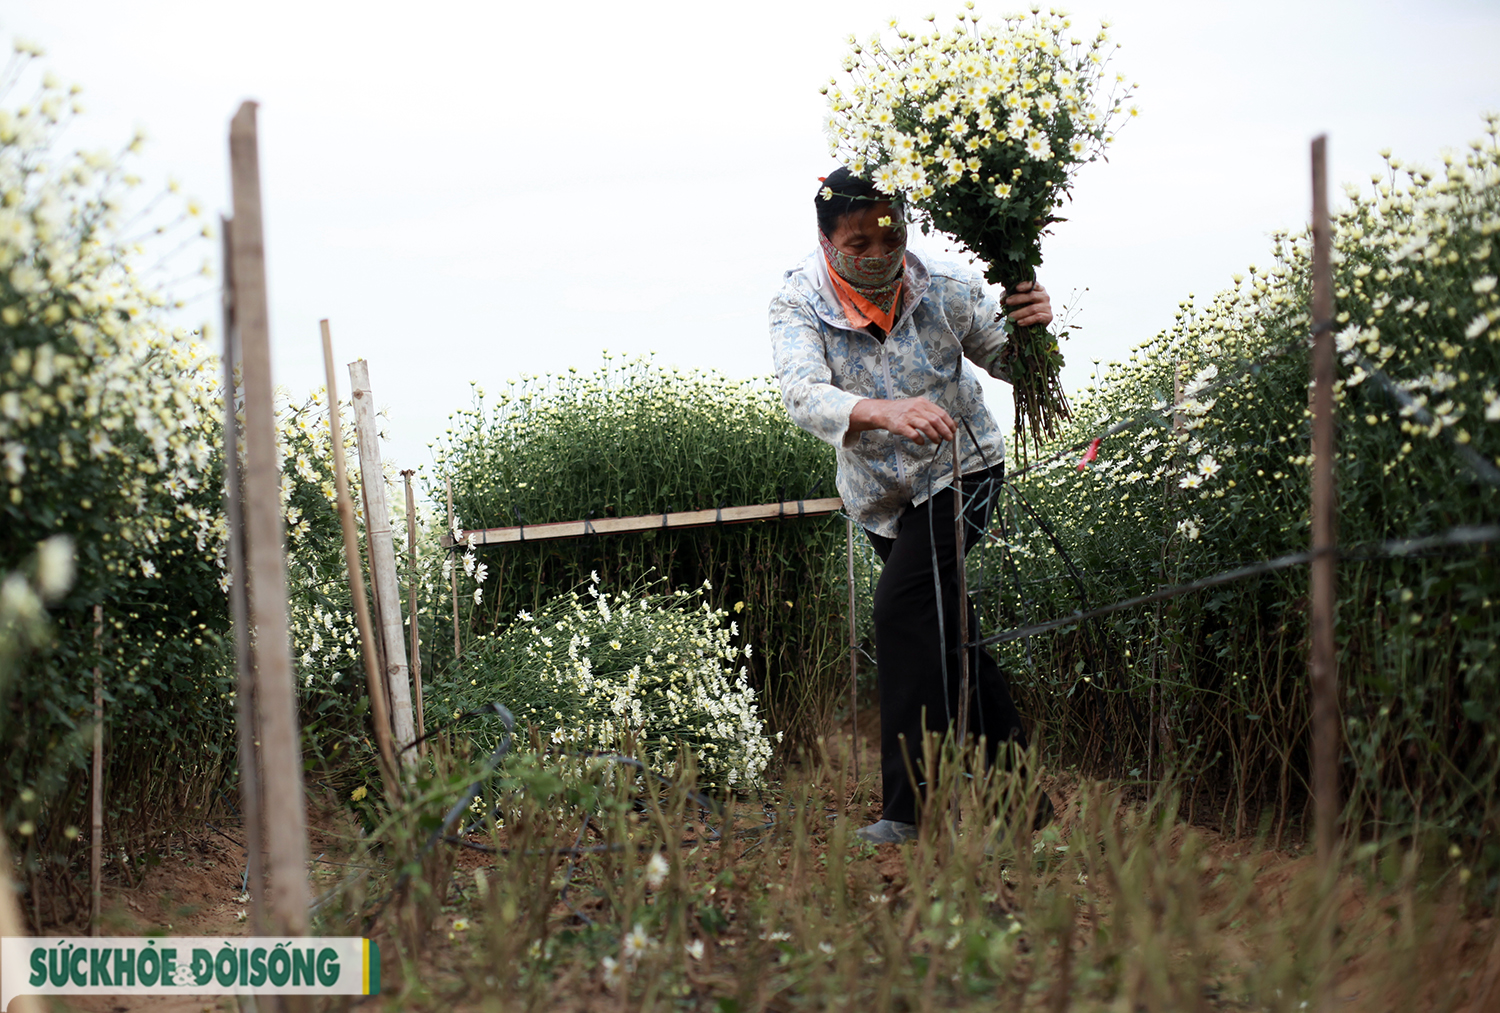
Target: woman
<point>869,344</point>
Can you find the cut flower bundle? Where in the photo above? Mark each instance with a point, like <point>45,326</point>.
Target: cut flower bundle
<point>980,129</point>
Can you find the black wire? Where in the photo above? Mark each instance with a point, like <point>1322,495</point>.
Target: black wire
<point>1456,536</point>
<point>453,815</point>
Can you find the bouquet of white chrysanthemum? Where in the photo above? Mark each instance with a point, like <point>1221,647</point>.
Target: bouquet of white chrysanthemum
<point>980,130</point>
<point>590,670</point>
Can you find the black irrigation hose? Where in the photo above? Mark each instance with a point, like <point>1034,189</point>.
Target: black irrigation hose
<point>1456,536</point>
<point>453,815</point>
<point>444,831</point>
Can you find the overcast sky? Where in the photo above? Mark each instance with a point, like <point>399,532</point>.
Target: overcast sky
<point>475,190</point>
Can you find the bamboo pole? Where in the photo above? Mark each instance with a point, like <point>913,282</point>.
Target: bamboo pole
<point>963,599</point>
<point>379,713</point>
<point>1157,732</point>
<point>1322,658</point>
<point>382,559</point>
<point>785,511</point>
<point>244,659</point>
<point>411,609</point>
<point>453,572</point>
<point>853,647</point>
<point>96,829</point>
<point>364,499</point>
<point>276,703</point>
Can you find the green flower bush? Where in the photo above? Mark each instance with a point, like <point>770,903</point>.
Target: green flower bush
<point>111,435</point>
<point>108,424</point>
<point>640,438</point>
<point>1217,476</point>
<point>595,671</point>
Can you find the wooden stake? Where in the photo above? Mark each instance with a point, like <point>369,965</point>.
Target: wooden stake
<point>382,560</point>
<point>246,736</point>
<point>379,713</point>
<point>411,609</point>
<point>963,600</point>
<point>96,830</point>
<point>853,646</point>
<point>364,498</point>
<point>453,572</point>
<point>1322,658</point>
<point>275,696</point>
<point>787,511</point>
<point>1156,730</point>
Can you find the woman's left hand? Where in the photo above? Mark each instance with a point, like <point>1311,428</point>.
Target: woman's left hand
<point>1029,305</point>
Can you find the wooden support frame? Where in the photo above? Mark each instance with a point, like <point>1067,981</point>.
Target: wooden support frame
<point>788,510</point>
<point>239,610</point>
<point>411,610</point>
<point>96,787</point>
<point>853,649</point>
<point>1323,657</point>
<point>382,551</point>
<point>379,712</point>
<point>280,748</point>
<point>447,540</point>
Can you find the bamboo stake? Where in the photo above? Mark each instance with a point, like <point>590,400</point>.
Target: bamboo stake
<point>785,511</point>
<point>411,610</point>
<point>244,659</point>
<point>963,600</point>
<point>96,829</point>
<point>276,703</point>
<point>1157,735</point>
<point>382,559</point>
<point>1322,658</point>
<point>453,572</point>
<point>853,647</point>
<point>379,714</point>
<point>364,498</point>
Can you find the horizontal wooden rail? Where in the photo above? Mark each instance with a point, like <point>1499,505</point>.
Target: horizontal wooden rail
<point>789,510</point>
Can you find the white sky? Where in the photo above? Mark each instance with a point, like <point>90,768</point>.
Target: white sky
<point>475,190</point>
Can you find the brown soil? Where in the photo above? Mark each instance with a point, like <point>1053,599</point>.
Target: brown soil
<point>195,890</point>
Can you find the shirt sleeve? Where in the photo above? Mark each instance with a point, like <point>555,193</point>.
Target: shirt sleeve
<point>801,354</point>
<point>986,344</point>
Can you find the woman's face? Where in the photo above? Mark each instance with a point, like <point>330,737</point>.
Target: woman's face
<point>860,234</point>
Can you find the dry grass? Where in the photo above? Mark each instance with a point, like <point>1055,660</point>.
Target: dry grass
<point>1116,905</point>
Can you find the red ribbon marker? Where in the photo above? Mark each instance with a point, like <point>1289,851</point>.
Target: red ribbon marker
<point>1090,454</point>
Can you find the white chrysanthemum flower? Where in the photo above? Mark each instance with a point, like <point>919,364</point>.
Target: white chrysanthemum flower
<point>656,871</point>
<point>636,943</point>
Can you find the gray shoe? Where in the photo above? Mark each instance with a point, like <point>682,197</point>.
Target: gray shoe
<point>887,832</point>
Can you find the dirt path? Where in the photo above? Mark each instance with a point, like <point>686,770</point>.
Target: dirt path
<point>194,888</point>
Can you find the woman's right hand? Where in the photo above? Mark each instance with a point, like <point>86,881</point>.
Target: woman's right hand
<point>915,418</point>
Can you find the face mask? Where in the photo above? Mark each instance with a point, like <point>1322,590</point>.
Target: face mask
<point>866,272</point>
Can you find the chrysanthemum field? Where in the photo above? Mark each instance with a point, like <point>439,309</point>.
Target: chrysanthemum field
<point>642,768</point>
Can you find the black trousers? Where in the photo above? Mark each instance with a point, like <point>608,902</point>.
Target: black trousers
<point>910,651</point>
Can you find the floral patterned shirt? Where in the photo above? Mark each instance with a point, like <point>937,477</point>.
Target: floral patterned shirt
<point>826,366</point>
